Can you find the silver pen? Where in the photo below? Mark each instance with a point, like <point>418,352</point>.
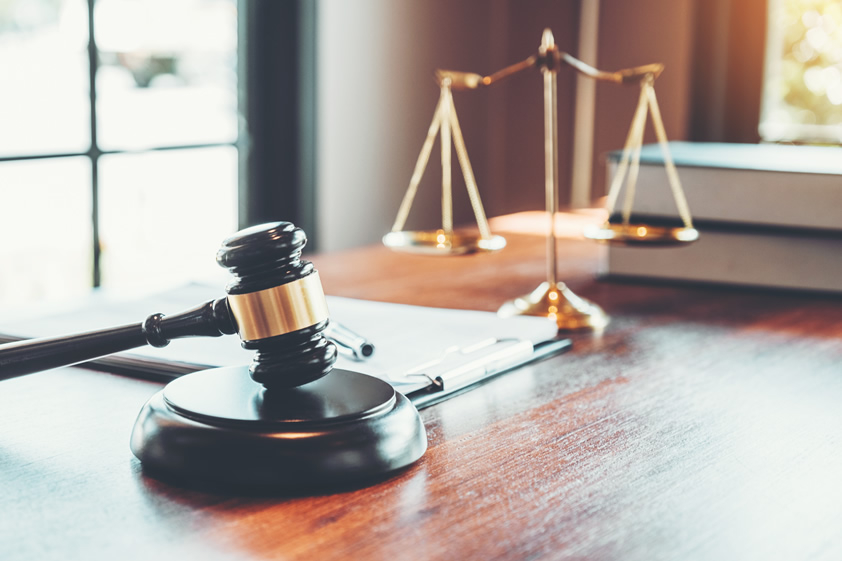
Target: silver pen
<point>347,342</point>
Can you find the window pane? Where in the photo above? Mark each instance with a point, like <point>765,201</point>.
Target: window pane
<point>164,214</point>
<point>802,93</point>
<point>167,72</point>
<point>44,105</point>
<point>45,221</point>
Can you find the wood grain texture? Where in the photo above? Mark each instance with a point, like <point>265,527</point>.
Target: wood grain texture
<point>704,423</point>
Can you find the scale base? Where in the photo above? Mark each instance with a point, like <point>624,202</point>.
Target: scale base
<point>641,234</point>
<point>559,303</point>
<point>439,242</point>
<point>219,426</point>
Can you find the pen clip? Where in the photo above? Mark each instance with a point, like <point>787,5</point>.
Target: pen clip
<point>433,381</point>
<point>462,366</point>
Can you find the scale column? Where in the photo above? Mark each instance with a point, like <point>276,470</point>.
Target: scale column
<point>552,299</point>
<point>446,151</point>
<point>550,72</point>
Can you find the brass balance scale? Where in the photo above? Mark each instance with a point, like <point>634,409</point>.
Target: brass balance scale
<point>551,299</point>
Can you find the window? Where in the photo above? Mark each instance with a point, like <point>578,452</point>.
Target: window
<point>118,146</point>
<point>802,93</point>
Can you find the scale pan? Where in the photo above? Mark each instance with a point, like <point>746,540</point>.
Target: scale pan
<point>438,242</point>
<point>641,234</point>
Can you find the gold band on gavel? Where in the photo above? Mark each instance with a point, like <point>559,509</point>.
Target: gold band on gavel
<point>280,309</point>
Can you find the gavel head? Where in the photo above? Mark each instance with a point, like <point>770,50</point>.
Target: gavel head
<point>278,304</point>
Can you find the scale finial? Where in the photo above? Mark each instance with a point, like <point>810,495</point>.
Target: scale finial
<point>547,41</point>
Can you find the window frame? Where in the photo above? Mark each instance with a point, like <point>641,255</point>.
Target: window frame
<point>276,105</point>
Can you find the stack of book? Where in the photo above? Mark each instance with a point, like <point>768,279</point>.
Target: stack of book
<point>768,215</point>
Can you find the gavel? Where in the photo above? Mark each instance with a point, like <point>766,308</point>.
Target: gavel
<point>289,416</point>
<point>275,303</point>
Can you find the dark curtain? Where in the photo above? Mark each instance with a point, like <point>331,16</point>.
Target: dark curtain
<point>277,100</point>
<point>729,48</point>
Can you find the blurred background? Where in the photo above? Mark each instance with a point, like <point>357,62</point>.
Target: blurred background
<point>135,135</point>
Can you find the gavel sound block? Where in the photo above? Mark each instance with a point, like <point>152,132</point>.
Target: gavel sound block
<point>289,417</point>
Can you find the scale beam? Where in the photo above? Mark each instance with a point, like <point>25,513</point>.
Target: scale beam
<point>552,58</point>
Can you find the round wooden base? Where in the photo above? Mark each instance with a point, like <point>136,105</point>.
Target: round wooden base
<point>220,426</point>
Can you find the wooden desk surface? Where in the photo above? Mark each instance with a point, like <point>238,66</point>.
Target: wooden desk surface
<point>702,424</point>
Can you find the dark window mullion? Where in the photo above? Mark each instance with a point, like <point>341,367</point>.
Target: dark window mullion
<point>87,153</point>
<point>94,152</point>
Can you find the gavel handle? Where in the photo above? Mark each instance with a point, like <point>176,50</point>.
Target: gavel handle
<point>211,319</point>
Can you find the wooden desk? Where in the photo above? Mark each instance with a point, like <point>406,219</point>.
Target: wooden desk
<point>703,424</point>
